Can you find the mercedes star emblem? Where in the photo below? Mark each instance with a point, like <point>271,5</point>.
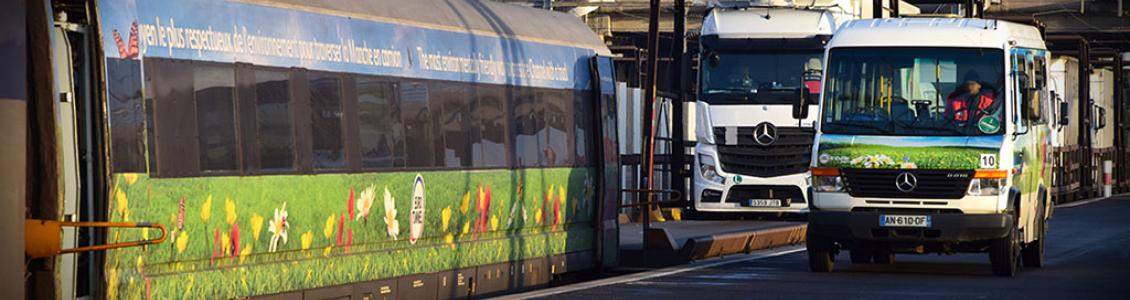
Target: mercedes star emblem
<point>906,182</point>
<point>765,134</point>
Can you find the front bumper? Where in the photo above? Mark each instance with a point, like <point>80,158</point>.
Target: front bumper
<point>945,227</point>
<point>728,199</point>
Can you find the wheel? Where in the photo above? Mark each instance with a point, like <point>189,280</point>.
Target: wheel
<point>1033,253</point>
<point>1004,253</point>
<point>821,255</point>
<point>883,257</point>
<point>860,255</point>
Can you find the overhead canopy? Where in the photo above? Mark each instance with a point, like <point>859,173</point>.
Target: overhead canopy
<point>474,16</point>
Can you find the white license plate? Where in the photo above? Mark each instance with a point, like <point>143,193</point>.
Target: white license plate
<point>904,221</point>
<point>765,202</point>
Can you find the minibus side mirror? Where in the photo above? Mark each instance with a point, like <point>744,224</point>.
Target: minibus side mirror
<point>1064,113</point>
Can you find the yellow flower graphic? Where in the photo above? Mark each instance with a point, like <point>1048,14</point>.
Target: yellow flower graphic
<point>445,217</point>
<point>256,225</point>
<point>182,241</point>
<point>493,223</point>
<point>206,209</point>
<point>245,252</point>
<point>123,204</point>
<point>449,239</point>
<point>466,203</point>
<point>537,217</point>
<point>328,231</point>
<point>326,252</point>
<point>225,243</point>
<point>466,227</point>
<point>130,178</point>
<point>229,207</point>
<point>307,238</point>
<point>112,284</point>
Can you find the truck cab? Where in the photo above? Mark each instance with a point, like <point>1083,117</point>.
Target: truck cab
<point>757,60</point>
<point>933,137</point>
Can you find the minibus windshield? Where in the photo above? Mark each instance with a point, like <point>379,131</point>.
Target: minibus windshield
<point>914,91</point>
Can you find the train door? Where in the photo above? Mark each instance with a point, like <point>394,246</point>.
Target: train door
<point>607,162</point>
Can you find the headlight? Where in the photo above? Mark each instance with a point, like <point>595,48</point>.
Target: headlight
<point>828,184</point>
<point>708,168</point>
<point>985,187</point>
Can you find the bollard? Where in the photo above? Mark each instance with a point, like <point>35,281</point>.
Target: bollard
<point>1108,170</point>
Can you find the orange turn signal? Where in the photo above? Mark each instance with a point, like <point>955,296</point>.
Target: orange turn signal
<point>825,171</point>
<point>991,174</point>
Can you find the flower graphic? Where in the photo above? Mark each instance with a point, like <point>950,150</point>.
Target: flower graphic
<point>365,203</point>
<point>123,204</point>
<point>307,238</point>
<point>493,223</point>
<point>449,239</point>
<point>234,240</point>
<point>349,206</point>
<point>445,217</point>
<point>328,230</point>
<point>246,251</point>
<point>873,161</point>
<point>348,239</point>
<point>256,225</point>
<point>466,203</point>
<point>229,208</point>
<point>206,209</point>
<point>277,227</point>
<point>341,230</point>
<point>182,241</point>
<point>392,225</point>
<point>130,178</point>
<point>483,205</point>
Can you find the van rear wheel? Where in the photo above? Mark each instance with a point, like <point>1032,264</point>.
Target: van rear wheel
<point>1033,254</point>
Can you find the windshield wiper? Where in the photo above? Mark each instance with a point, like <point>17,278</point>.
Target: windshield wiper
<point>878,128</point>
<point>730,90</point>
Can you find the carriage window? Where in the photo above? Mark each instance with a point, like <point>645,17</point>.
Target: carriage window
<point>325,118</point>
<point>420,137</point>
<point>382,133</point>
<point>557,152</point>
<point>455,122</point>
<point>272,110</point>
<point>491,114</point>
<point>215,117</point>
<point>582,122</point>
<point>126,114</point>
<point>529,124</point>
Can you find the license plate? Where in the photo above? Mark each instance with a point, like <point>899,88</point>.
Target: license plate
<point>904,221</point>
<point>765,202</point>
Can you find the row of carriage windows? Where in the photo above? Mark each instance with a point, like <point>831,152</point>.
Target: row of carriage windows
<point>205,118</point>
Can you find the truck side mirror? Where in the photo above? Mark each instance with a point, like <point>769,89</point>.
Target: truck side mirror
<point>800,108</point>
<point>1064,113</point>
<point>1101,116</point>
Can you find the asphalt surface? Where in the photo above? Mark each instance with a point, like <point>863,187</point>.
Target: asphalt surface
<point>1088,258</point>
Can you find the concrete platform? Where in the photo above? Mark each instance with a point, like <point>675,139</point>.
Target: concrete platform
<point>682,241</point>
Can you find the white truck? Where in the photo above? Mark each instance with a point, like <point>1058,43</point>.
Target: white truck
<point>757,58</point>
<point>933,137</point>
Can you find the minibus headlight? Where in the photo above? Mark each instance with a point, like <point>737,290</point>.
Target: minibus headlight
<point>827,180</point>
<point>708,168</point>
<point>985,187</point>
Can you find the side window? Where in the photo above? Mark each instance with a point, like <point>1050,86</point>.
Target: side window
<point>419,136</point>
<point>325,118</point>
<point>529,121</point>
<point>382,132</point>
<point>273,112</point>
<point>214,92</point>
<point>1020,84</point>
<point>126,115</point>
<point>558,137</point>
<point>490,112</point>
<point>454,100</point>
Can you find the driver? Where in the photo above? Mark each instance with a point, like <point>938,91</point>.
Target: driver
<point>968,102</point>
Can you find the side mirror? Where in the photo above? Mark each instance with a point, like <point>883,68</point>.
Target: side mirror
<point>800,108</point>
<point>1101,116</point>
<point>1064,113</point>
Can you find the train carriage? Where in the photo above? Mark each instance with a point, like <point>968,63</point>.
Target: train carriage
<point>316,149</point>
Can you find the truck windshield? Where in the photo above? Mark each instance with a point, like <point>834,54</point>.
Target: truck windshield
<point>759,77</point>
<point>914,91</point>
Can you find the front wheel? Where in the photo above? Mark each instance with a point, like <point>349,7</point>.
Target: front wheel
<point>821,253</point>
<point>1004,254</point>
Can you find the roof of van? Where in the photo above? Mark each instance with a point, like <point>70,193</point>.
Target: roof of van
<point>478,17</point>
<point>778,22</point>
<point>936,32</point>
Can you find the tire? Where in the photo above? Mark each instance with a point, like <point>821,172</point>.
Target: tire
<point>1004,253</point>
<point>883,257</point>
<point>821,255</point>
<point>1033,253</point>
